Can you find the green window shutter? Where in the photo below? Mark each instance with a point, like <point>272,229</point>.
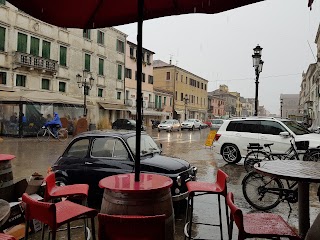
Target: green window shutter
<point>119,72</point>
<point>62,87</point>
<point>101,65</point>
<point>160,104</point>
<point>86,90</point>
<point>63,56</point>
<point>3,78</point>
<point>34,46</point>
<point>100,92</point>
<point>45,84</point>
<point>46,49</point>
<point>156,101</point>
<point>100,37</point>
<point>20,80</point>
<point>22,43</point>
<point>3,2</point>
<point>87,62</point>
<point>164,100</point>
<point>2,38</point>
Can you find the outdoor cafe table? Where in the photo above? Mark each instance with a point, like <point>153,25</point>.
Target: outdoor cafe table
<point>4,211</point>
<point>6,157</point>
<point>303,172</point>
<point>150,196</point>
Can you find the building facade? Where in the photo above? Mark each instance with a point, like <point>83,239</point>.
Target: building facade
<point>290,105</point>
<point>45,60</point>
<point>190,91</point>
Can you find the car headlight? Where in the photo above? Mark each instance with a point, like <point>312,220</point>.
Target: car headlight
<point>179,180</point>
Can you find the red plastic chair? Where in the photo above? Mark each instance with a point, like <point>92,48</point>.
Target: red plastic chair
<point>6,237</point>
<point>53,191</point>
<point>120,227</point>
<point>201,188</point>
<point>56,214</point>
<point>258,225</point>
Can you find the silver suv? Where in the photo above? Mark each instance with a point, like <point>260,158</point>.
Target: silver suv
<point>234,135</point>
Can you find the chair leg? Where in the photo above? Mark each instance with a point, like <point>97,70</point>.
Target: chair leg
<point>93,229</point>
<point>69,231</point>
<point>54,233</point>
<point>26,231</point>
<point>227,216</point>
<point>220,218</point>
<point>187,215</point>
<point>191,216</point>
<point>230,229</point>
<point>42,231</point>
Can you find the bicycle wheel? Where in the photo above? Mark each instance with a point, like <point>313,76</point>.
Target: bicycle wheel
<point>43,135</point>
<point>262,192</point>
<point>62,134</point>
<point>313,156</point>
<point>254,157</point>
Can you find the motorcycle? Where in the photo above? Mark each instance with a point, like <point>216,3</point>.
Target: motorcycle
<point>155,123</point>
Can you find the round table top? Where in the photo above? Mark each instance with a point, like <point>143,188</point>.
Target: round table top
<point>126,183</point>
<point>6,157</point>
<point>4,211</point>
<point>295,170</point>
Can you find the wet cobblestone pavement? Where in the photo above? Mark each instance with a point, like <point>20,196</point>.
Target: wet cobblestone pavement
<point>33,156</point>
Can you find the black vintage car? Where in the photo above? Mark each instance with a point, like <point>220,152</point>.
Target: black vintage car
<point>94,155</point>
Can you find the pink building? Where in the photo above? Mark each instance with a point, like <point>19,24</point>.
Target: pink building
<point>216,106</point>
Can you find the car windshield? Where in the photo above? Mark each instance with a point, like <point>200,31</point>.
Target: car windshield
<point>148,145</point>
<point>166,122</point>
<point>297,128</point>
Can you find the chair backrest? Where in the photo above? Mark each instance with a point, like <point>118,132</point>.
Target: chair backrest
<point>222,180</point>
<point>50,185</point>
<point>314,231</point>
<point>42,211</point>
<point>235,213</point>
<point>124,227</point>
<point>6,237</point>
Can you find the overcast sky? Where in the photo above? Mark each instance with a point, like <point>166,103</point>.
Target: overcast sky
<point>219,47</point>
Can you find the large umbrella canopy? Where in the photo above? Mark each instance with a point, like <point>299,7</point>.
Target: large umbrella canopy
<point>107,13</point>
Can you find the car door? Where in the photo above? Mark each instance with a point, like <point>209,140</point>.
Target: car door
<point>197,123</point>
<point>74,160</point>
<point>270,131</point>
<point>244,132</point>
<point>109,156</point>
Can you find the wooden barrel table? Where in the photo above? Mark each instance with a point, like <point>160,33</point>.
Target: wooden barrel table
<point>148,197</point>
<point>6,176</point>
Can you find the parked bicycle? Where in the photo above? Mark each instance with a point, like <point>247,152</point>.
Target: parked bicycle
<point>265,192</point>
<point>45,132</point>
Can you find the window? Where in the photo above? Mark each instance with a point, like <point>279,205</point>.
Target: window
<point>46,49</point>
<point>181,96</point>
<point>87,33</point>
<point>244,126</point>
<point>34,46</point>
<point>62,87</point>
<point>120,46</point>
<point>109,148</point>
<point>118,95</point>
<point>128,73</point>
<point>100,92</point>
<point>181,78</point>
<point>2,37</point>
<point>101,65</point>
<point>270,127</point>
<point>100,37</point>
<point>176,97</point>
<point>150,79</point>
<point>22,43</point>
<point>45,84</point>
<point>176,76</point>
<point>86,90</point>
<point>3,2</point>
<point>143,77</point>
<point>79,149</point>
<point>87,59</point>
<point>131,52</point>
<point>164,101</point>
<point>186,80</point>
<point>63,56</point>
<point>142,56</point>
<point>170,102</point>
<point>149,97</point>
<point>168,76</point>
<point>3,78</point>
<point>205,87</point>
<point>202,85</point>
<point>119,71</point>
<point>148,58</point>
<point>21,80</point>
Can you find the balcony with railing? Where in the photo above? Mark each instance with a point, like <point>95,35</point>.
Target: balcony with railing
<point>35,62</point>
<point>151,105</point>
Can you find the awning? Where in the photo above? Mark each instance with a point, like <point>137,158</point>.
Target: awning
<point>110,106</point>
<point>149,113</point>
<point>39,97</point>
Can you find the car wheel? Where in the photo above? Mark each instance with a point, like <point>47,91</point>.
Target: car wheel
<point>61,181</point>
<point>192,129</point>
<point>230,153</point>
<point>114,127</point>
<point>158,130</point>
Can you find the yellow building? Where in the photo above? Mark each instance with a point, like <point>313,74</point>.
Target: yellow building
<point>238,104</point>
<point>190,91</point>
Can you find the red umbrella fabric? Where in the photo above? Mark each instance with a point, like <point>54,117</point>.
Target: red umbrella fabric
<point>90,14</point>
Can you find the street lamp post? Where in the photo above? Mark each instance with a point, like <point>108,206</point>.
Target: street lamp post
<point>87,83</point>
<point>281,104</point>
<point>257,64</point>
<point>186,99</point>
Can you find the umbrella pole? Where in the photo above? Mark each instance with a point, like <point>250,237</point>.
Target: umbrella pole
<point>139,92</point>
